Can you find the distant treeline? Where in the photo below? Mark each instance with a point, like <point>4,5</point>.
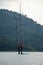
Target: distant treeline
<point>32,33</point>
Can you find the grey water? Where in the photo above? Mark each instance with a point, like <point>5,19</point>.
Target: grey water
<point>27,58</point>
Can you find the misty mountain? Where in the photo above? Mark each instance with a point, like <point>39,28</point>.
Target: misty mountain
<point>31,32</point>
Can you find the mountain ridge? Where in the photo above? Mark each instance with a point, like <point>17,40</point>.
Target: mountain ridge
<point>32,33</point>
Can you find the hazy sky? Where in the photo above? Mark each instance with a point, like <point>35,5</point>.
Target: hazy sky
<point>32,8</point>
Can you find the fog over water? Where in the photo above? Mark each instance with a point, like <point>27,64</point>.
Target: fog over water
<point>27,58</point>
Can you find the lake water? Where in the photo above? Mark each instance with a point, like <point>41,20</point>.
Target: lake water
<point>27,58</point>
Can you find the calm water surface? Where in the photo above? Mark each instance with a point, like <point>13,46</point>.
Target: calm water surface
<point>27,58</point>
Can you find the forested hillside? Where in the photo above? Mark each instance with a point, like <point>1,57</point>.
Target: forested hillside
<point>32,33</point>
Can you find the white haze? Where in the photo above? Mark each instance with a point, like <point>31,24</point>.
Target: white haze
<point>32,8</point>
